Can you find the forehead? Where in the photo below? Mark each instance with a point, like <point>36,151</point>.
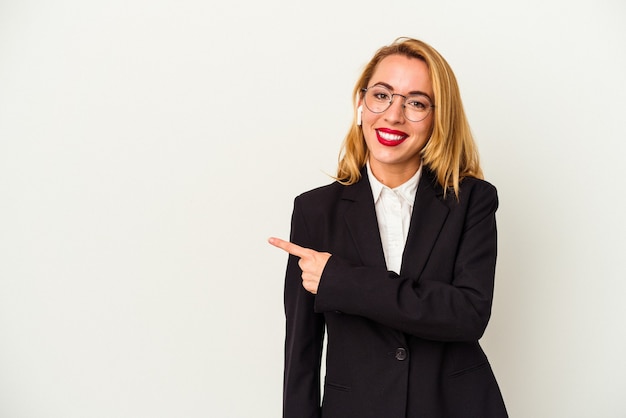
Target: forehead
<point>403,74</point>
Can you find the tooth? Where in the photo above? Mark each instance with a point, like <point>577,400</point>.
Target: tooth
<point>391,137</point>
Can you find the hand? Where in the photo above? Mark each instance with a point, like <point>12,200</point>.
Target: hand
<point>311,262</point>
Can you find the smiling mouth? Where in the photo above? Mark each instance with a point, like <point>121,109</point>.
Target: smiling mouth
<point>390,138</point>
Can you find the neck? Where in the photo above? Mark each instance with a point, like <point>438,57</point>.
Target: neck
<point>394,176</point>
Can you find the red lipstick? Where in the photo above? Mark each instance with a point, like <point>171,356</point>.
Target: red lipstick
<point>390,137</point>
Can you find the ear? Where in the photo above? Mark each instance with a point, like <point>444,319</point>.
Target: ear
<point>359,112</point>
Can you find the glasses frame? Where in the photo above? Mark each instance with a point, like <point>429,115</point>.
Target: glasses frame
<point>430,108</point>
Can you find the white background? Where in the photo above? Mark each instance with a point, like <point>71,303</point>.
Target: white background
<point>149,147</point>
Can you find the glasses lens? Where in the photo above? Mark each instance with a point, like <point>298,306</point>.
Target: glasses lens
<point>377,99</point>
<point>416,107</point>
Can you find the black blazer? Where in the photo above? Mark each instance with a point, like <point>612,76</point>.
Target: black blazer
<point>399,346</point>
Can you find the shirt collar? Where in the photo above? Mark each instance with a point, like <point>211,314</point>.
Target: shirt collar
<point>407,190</point>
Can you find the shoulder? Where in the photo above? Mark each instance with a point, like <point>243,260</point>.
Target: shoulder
<point>336,191</point>
<point>313,212</point>
<point>471,189</point>
<point>321,195</point>
<point>477,199</point>
<point>472,186</point>
<point>326,202</point>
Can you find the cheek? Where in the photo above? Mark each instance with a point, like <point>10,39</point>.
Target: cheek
<point>427,128</point>
<point>368,116</point>
<point>431,123</point>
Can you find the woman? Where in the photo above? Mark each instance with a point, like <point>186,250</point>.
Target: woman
<point>396,259</point>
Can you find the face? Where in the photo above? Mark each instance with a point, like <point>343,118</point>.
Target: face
<point>394,142</point>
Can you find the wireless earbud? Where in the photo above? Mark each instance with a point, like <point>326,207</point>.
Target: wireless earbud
<point>359,111</point>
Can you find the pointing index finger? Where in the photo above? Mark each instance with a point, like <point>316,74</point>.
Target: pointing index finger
<point>290,247</point>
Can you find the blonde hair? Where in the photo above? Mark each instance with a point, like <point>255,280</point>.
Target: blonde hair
<point>451,152</point>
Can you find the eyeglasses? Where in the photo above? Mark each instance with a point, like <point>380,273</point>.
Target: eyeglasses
<point>379,98</point>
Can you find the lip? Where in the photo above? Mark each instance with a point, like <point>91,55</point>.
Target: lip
<point>390,137</point>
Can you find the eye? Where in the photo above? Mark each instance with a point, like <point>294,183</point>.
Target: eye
<point>418,103</point>
<point>380,94</point>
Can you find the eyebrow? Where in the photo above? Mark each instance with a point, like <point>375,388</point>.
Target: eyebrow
<point>381,83</point>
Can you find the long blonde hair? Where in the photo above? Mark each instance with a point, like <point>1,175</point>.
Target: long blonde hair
<point>451,152</point>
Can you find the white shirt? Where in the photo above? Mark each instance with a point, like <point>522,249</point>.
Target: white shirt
<point>393,211</point>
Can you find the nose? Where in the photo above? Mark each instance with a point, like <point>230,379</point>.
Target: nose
<point>395,112</point>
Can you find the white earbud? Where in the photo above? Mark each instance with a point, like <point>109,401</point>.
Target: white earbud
<point>359,111</point>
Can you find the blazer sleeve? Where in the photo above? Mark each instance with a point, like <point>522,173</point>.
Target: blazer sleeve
<point>304,336</point>
<point>436,308</point>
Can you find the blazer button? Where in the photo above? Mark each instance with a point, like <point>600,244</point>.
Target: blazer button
<point>400,354</point>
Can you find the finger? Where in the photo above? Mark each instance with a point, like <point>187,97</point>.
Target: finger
<point>290,247</point>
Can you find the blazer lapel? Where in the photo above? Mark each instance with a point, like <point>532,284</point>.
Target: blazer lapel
<point>360,217</point>
<point>429,215</point>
